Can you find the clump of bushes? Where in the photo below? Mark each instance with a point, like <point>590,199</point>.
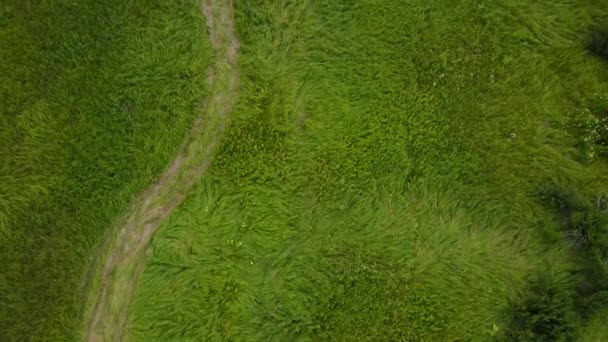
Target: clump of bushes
<point>585,223</point>
<point>546,314</point>
<point>558,198</point>
<point>598,42</point>
<point>597,300</point>
<point>589,229</point>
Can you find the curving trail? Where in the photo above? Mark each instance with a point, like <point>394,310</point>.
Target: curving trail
<point>114,276</point>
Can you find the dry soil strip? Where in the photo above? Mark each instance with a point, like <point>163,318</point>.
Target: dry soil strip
<point>116,275</point>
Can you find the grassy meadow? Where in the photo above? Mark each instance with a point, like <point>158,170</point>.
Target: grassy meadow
<point>396,171</point>
<point>95,97</point>
<point>393,170</point>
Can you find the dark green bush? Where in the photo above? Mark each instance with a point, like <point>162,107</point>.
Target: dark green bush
<point>547,314</point>
<point>598,42</point>
<point>593,302</point>
<point>589,229</point>
<point>585,222</point>
<point>563,200</point>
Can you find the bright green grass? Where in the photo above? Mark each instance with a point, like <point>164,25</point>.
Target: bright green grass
<point>95,96</point>
<point>378,180</point>
<point>379,177</point>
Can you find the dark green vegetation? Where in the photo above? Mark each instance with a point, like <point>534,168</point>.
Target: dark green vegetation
<point>380,180</point>
<point>394,170</point>
<point>95,96</point>
<point>598,42</point>
<point>584,226</point>
<point>545,314</point>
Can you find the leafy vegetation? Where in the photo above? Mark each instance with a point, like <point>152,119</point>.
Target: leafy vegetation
<point>95,96</point>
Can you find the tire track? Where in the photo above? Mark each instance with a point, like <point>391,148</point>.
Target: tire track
<point>115,276</point>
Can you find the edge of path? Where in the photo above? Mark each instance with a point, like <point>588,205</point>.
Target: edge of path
<point>113,277</point>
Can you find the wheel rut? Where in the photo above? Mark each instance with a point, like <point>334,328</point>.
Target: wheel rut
<point>115,274</point>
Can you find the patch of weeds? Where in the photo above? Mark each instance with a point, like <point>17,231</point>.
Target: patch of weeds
<point>252,150</point>
<point>598,42</point>
<point>546,314</point>
<point>373,300</point>
<point>592,129</point>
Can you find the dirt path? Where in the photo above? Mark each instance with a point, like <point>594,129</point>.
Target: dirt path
<point>115,275</point>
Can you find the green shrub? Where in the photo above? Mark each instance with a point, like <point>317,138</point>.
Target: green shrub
<point>563,200</point>
<point>595,302</point>
<point>598,42</point>
<point>545,315</point>
<point>585,222</point>
<point>589,228</point>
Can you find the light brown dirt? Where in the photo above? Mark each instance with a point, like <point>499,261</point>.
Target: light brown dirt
<point>116,276</point>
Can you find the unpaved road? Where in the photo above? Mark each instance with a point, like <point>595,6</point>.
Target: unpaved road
<point>114,276</point>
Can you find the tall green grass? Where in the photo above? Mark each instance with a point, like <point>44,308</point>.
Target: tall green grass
<point>380,177</point>
<point>95,96</point>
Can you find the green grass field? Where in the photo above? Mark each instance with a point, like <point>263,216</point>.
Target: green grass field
<point>393,170</point>
<point>95,97</point>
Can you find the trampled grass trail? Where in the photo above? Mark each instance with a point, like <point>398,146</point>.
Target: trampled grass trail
<point>114,276</point>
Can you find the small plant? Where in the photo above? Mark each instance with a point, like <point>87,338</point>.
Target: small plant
<point>598,42</point>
